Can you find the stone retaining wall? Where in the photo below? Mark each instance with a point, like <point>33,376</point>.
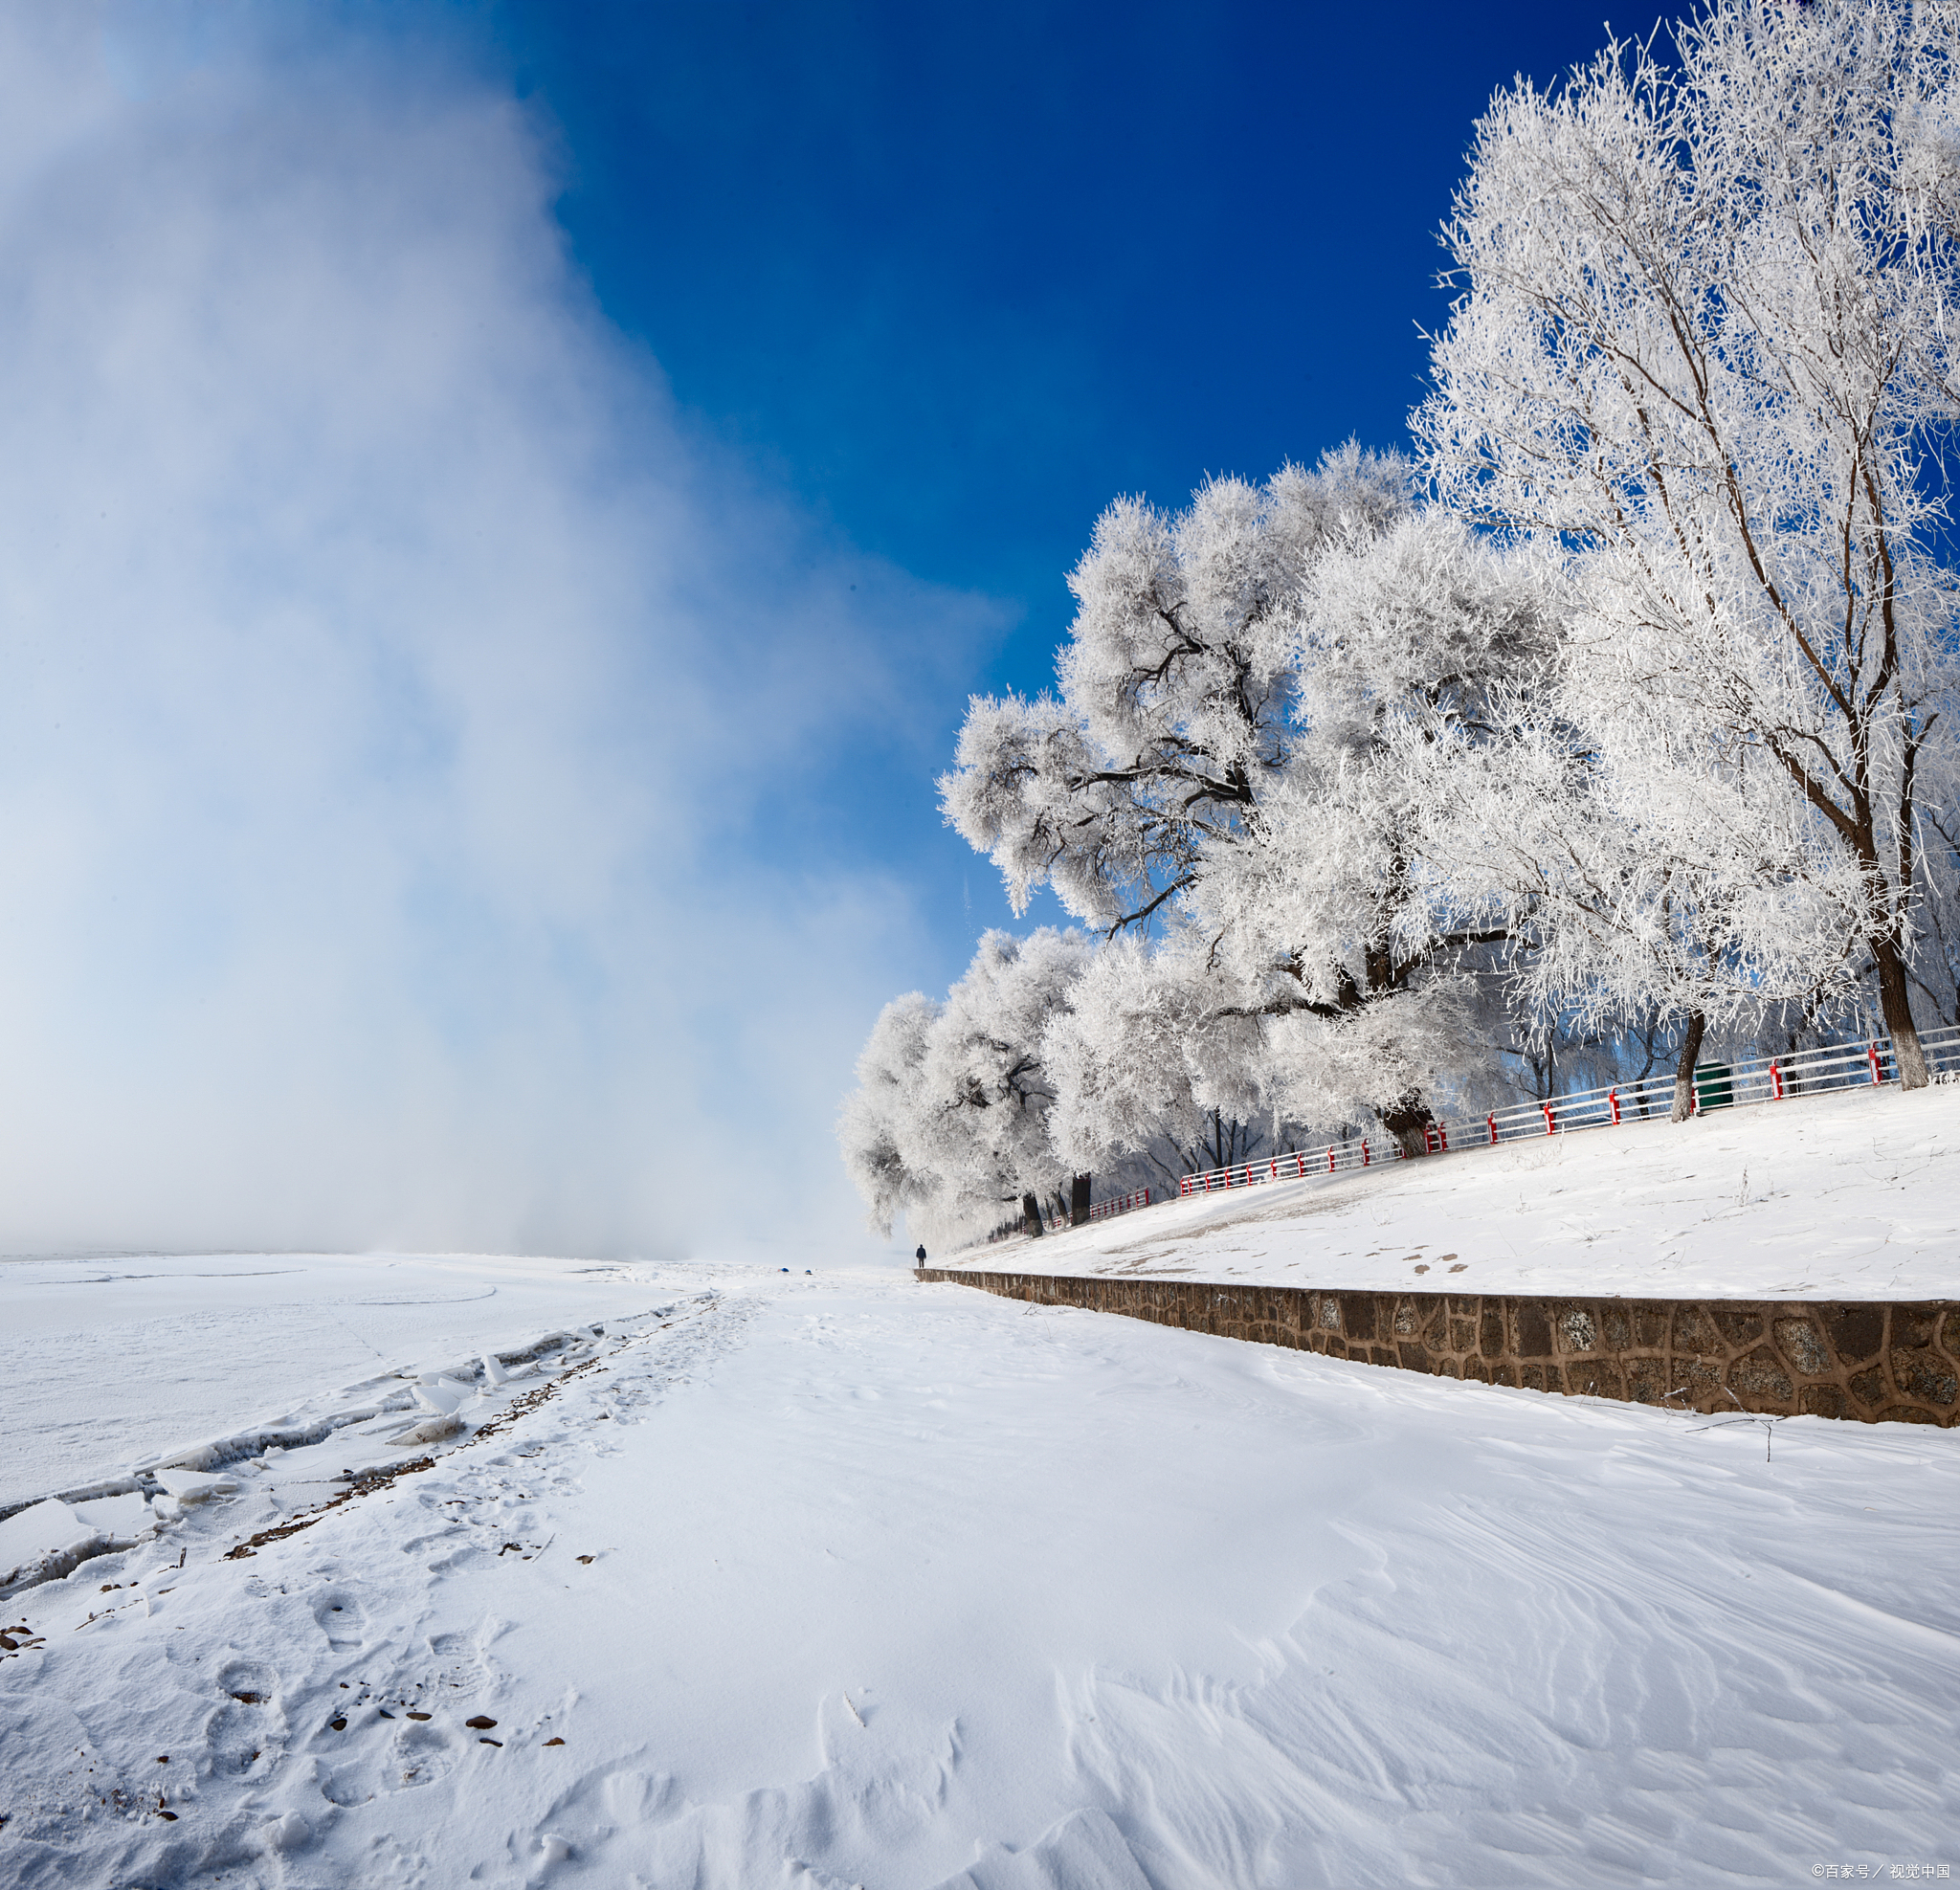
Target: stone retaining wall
<point>1870,1360</point>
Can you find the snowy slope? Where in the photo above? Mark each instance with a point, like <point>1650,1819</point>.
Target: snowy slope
<point>848,1580</point>
<point>1855,1195</point>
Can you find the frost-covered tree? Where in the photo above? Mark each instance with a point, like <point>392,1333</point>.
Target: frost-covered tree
<point>1682,889</point>
<point>1346,918</point>
<point>1172,714</point>
<point>878,1125</point>
<point>1243,747</point>
<point>1703,351</point>
<point>949,1119</point>
<point>1147,1071</point>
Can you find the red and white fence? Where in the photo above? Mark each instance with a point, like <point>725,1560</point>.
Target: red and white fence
<point>1117,1204</point>
<point>1717,1086</point>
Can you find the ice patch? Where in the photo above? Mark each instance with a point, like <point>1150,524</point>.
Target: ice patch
<point>431,1431</point>
<point>118,1515</point>
<point>44,1541</point>
<point>441,1394</point>
<point>195,1485</point>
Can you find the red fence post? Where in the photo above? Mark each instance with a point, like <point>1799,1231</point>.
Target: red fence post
<point>1490,1122</point>
<point>1364,1151</point>
<point>1873,1052</point>
<point>1551,1120</point>
<point>1612,1104</point>
<point>1775,1082</point>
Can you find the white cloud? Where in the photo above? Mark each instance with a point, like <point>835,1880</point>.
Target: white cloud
<point>386,688</point>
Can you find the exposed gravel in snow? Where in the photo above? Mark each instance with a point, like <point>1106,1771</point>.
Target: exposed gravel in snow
<point>1851,1197</point>
<point>844,1580</point>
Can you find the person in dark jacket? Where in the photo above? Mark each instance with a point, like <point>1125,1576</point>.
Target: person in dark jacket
<point>920,1256</point>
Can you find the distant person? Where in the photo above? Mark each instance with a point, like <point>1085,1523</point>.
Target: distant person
<point>920,1256</point>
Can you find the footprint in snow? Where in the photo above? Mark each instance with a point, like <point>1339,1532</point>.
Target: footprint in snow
<point>342,1620</point>
<point>423,1751</point>
<point>247,1732</point>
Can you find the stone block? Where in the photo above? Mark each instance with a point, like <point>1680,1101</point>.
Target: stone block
<point>1799,1343</point>
<point>1869,1388</point>
<point>1406,1320</point>
<point>1701,1383</point>
<point>1617,1327</point>
<point>1413,1358</point>
<point>1824,1401</point>
<point>1760,1376</point>
<point>1490,1330</point>
<point>1856,1332</point>
<point>1919,1372</point>
<point>1357,1315</point>
<point>1534,1331</point>
<point>1462,1335</point>
<point>1695,1332</point>
<point>1436,1329</point>
<point>1738,1328</point>
<point>1649,1326</point>
<point>1577,1331</point>
<point>1647,1381</point>
<point>1531,1377</point>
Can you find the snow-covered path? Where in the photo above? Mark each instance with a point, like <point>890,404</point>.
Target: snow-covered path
<point>888,1583</point>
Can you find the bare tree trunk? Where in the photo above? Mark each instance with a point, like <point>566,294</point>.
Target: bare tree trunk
<point>1031,1215</point>
<point>1684,1068</point>
<point>1078,1201</point>
<point>1896,1006</point>
<point>1408,1122</point>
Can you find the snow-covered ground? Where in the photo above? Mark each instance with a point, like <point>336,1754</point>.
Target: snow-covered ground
<point>833,1579</point>
<point>1855,1196</point>
<point>111,1362</point>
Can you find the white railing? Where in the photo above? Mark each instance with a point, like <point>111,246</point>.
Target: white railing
<point>1717,1086</point>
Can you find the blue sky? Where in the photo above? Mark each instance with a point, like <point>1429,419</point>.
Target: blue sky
<point>505,505</point>
<point>959,276</point>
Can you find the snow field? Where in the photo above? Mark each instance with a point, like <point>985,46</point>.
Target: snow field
<point>845,1580</point>
<point>119,1363</point>
<point>1851,1196</point>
